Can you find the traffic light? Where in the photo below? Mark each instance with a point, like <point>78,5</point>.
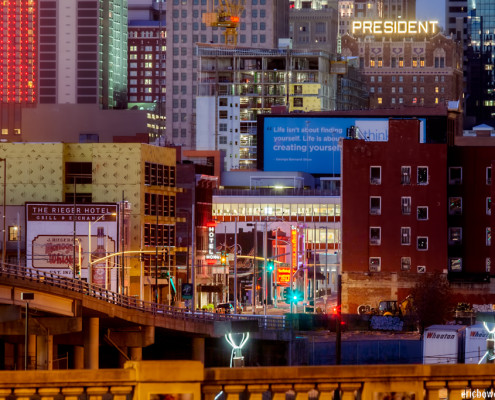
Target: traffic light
<point>78,270</point>
<point>270,265</point>
<point>292,296</point>
<point>223,258</point>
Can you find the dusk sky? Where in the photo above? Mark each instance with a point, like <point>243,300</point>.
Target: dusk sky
<point>431,9</point>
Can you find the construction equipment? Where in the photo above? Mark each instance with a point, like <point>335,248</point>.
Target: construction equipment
<point>227,15</point>
<point>389,308</point>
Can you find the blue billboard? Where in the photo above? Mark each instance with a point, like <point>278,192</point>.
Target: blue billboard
<point>312,144</point>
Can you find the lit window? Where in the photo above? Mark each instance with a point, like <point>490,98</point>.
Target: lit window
<point>488,206</point>
<point>13,233</point>
<point>375,205</point>
<point>379,100</point>
<point>405,177</point>
<point>488,236</point>
<point>455,236</point>
<point>405,263</point>
<point>455,264</point>
<point>405,205</point>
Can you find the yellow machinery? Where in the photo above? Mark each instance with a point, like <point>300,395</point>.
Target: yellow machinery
<point>227,15</point>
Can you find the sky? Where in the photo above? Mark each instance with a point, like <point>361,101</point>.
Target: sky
<point>430,10</point>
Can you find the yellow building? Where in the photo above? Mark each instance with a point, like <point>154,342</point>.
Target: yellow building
<point>141,175</point>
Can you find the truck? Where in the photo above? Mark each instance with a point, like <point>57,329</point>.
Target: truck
<point>444,344</point>
<point>475,346</point>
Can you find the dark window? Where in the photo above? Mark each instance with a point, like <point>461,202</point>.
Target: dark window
<point>80,172</point>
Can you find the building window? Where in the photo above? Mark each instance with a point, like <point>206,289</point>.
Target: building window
<point>375,205</point>
<point>455,175</point>
<point>455,235</point>
<point>375,264</point>
<point>223,114</point>
<point>422,213</point>
<point>222,140</point>
<point>405,263</point>
<point>488,236</point>
<point>422,243</point>
<point>422,175</point>
<point>380,100</point>
<point>488,263</point>
<point>375,175</point>
<point>298,102</point>
<point>375,236</point>
<point>455,205</point>
<point>488,206</point>
<point>405,205</point>
<point>13,233</point>
<point>405,175</point>
<point>405,235</point>
<point>455,264</point>
<point>488,175</point>
<point>78,172</point>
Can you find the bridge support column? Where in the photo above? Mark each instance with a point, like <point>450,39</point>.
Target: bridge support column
<point>78,357</point>
<point>136,353</point>
<point>91,344</point>
<point>44,352</point>
<point>31,352</point>
<point>327,390</point>
<point>198,347</point>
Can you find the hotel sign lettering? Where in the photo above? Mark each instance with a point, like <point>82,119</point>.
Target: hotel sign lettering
<point>379,27</point>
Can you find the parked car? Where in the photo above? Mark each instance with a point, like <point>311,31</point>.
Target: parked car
<point>227,308</point>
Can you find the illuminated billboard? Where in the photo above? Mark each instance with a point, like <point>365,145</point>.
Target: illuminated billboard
<point>50,239</point>
<point>379,27</point>
<point>312,144</point>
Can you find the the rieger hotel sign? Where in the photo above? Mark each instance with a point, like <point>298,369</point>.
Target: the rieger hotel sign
<point>380,27</point>
<point>50,236</point>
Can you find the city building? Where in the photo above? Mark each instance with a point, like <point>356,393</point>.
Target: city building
<point>299,216</point>
<point>261,25</point>
<point>237,85</point>
<point>314,29</point>
<point>393,214</point>
<point>139,176</point>
<point>418,71</point>
<point>480,94</point>
<point>61,53</point>
<point>147,72</point>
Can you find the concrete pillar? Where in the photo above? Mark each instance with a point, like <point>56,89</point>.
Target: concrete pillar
<point>349,390</point>
<point>4,393</point>
<point>121,392</point>
<point>96,393</point>
<point>78,357</point>
<point>72,393</point>
<point>31,352</point>
<point>44,352</point>
<point>302,391</point>
<point>433,388</point>
<point>255,392</point>
<point>48,393</point>
<point>456,388</point>
<point>279,391</point>
<point>198,346</point>
<point>91,343</point>
<point>136,353</point>
<point>233,392</point>
<point>24,394</point>
<point>210,392</point>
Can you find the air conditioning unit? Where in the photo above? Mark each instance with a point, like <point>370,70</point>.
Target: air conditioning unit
<point>375,211</point>
<point>375,241</point>
<point>374,268</point>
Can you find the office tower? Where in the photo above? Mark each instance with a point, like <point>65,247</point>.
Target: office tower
<point>262,23</point>
<point>83,52</point>
<point>480,98</point>
<point>456,18</point>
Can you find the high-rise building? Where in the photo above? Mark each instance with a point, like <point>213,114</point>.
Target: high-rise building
<point>61,52</point>
<point>480,101</point>
<point>261,25</point>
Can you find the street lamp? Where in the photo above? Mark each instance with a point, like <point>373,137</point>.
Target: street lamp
<point>90,264</point>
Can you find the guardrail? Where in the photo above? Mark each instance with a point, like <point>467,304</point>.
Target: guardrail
<point>156,309</point>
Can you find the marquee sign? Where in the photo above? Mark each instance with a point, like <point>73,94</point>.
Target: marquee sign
<point>380,27</point>
<point>212,257</point>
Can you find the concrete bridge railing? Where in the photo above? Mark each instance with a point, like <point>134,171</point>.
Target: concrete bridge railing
<point>188,380</point>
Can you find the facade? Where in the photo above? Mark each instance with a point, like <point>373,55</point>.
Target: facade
<point>237,85</point>
<point>393,214</point>
<point>301,225</point>
<point>314,29</point>
<point>480,103</point>
<point>139,176</point>
<point>421,71</point>
<point>147,72</point>
<point>261,26</point>
<point>76,59</point>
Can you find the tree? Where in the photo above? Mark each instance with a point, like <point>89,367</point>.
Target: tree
<point>433,301</point>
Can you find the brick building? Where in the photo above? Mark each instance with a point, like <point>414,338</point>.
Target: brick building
<point>393,214</point>
<point>407,72</point>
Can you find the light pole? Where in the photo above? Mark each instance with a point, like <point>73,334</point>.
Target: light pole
<point>90,264</point>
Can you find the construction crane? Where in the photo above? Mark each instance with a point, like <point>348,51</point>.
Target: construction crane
<point>227,15</point>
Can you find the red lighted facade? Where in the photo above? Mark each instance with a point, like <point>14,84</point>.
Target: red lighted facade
<point>19,51</point>
<point>393,214</point>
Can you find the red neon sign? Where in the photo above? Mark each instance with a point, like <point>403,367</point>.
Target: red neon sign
<point>283,276</point>
<point>293,241</point>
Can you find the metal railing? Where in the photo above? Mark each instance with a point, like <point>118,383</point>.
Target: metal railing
<point>130,302</point>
